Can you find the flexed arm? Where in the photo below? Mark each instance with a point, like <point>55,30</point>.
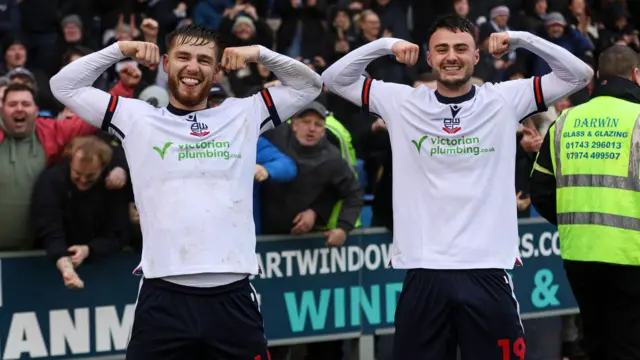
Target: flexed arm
<point>528,96</point>
<point>569,73</point>
<point>72,85</point>
<point>345,77</point>
<point>299,84</point>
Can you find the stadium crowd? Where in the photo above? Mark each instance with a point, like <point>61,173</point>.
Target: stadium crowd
<point>65,187</point>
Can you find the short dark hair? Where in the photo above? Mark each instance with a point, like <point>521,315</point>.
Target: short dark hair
<point>452,23</point>
<point>619,61</point>
<point>15,88</point>
<point>76,50</point>
<point>194,35</point>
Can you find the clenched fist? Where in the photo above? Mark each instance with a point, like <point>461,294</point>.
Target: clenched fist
<point>261,174</point>
<point>406,52</point>
<point>498,44</point>
<point>236,58</point>
<point>144,53</point>
<point>130,76</point>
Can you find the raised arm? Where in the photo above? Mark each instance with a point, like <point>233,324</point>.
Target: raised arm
<point>72,87</point>
<point>299,86</point>
<point>345,77</point>
<point>569,74</point>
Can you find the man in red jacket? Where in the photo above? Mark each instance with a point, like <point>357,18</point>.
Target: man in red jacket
<point>29,144</point>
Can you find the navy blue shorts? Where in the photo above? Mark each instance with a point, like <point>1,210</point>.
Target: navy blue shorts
<point>174,322</point>
<point>440,311</point>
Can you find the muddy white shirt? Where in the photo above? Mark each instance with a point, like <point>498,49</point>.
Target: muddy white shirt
<point>192,172</point>
<point>454,204</point>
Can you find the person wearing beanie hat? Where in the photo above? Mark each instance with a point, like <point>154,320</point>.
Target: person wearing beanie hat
<point>72,29</point>
<point>239,30</point>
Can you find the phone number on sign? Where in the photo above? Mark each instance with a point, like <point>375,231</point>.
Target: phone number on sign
<point>616,145</point>
<point>577,155</point>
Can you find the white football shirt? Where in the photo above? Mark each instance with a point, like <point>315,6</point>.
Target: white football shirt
<point>192,172</point>
<point>454,198</point>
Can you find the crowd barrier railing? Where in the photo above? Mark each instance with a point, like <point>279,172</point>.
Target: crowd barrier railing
<point>307,293</point>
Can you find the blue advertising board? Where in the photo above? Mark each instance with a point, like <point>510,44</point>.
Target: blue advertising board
<point>307,292</point>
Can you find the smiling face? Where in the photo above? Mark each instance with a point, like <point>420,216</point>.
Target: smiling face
<point>453,55</point>
<point>191,65</point>
<point>19,112</point>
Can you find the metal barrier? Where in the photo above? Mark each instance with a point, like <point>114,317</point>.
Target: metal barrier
<point>307,293</point>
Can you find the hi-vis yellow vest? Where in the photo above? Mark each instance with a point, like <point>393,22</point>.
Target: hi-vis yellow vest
<point>348,153</point>
<point>595,151</point>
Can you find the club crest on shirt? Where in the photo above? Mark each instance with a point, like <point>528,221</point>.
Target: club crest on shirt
<point>198,129</point>
<point>452,124</point>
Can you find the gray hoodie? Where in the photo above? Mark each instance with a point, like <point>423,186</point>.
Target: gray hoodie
<point>21,162</point>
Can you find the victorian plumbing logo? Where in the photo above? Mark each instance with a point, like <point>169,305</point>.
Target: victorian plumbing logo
<point>204,149</point>
<point>450,146</point>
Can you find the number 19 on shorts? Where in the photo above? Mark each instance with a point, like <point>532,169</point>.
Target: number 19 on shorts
<point>517,347</point>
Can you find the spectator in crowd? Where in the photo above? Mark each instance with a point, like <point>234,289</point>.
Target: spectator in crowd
<point>242,26</point>
<point>393,18</point>
<point>629,37</point>
<point>532,15</point>
<point>340,36</point>
<point>77,216</point>
<point>72,35</point>
<point>490,68</point>
<point>209,12</point>
<point>384,68</point>
<point>324,178</point>
<point>579,16</point>
<point>618,20</point>
<point>557,32</point>
<point>28,144</point>
<point>301,31</point>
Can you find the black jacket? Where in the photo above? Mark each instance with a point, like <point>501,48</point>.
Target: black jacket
<point>323,179</point>
<point>543,186</point>
<point>64,216</point>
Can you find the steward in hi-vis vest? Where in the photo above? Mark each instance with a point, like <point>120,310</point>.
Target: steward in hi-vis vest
<point>586,180</point>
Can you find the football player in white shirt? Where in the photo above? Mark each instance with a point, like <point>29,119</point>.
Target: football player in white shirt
<point>454,203</point>
<point>192,171</point>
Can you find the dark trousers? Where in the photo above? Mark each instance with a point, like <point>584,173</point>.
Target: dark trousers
<point>174,322</point>
<point>441,310</point>
<point>609,299</point>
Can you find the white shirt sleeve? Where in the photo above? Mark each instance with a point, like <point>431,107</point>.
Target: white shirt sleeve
<point>300,86</point>
<point>345,78</point>
<point>72,87</point>
<point>530,96</point>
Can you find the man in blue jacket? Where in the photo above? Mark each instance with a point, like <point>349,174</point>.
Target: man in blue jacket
<point>271,164</point>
